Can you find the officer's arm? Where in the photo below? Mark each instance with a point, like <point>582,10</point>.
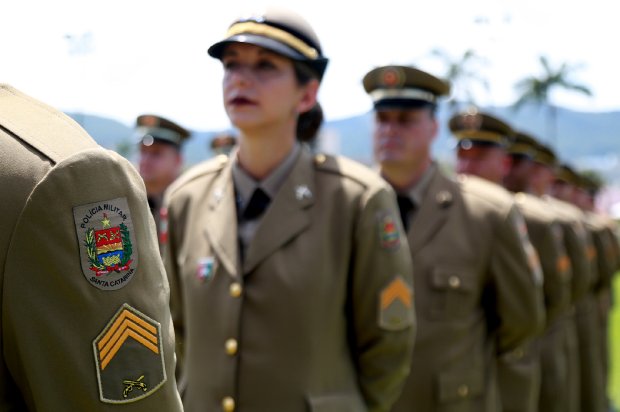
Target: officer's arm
<point>518,283</point>
<point>381,301</point>
<point>86,317</point>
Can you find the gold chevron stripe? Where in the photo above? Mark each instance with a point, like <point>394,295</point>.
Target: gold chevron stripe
<point>128,333</point>
<point>126,325</point>
<point>126,314</point>
<point>396,290</point>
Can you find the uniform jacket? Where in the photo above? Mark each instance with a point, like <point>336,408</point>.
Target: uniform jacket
<point>304,323</point>
<point>54,318</point>
<point>476,296</point>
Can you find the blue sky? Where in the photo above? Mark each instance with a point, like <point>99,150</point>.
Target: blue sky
<point>123,58</point>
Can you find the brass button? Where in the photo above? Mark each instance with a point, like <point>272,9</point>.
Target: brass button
<point>228,404</point>
<point>231,346</point>
<point>235,289</point>
<point>463,391</point>
<point>454,282</point>
<point>320,158</point>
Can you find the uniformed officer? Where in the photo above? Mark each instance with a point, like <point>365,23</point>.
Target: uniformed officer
<point>577,245</point>
<point>223,143</point>
<point>291,278</point>
<point>160,162</point>
<point>593,390</point>
<point>85,318</point>
<point>474,283</point>
<point>488,147</point>
<point>558,343</point>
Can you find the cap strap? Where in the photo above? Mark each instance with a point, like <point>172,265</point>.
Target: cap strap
<point>249,27</point>
<point>481,135</point>
<point>412,94</point>
<point>158,132</point>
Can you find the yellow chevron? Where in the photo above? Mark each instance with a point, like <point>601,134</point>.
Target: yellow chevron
<point>115,348</point>
<point>125,314</point>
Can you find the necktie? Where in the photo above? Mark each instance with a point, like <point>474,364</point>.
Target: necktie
<point>406,207</point>
<point>257,205</point>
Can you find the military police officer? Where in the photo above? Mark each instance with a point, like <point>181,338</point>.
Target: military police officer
<point>473,279</point>
<point>161,160</point>
<point>290,272</point>
<point>85,318</point>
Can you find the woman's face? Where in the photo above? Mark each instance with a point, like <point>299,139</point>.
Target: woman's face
<point>260,88</point>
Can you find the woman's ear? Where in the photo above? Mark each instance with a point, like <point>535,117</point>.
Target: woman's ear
<point>308,97</point>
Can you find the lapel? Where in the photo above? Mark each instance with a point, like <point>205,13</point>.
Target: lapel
<point>221,222</point>
<point>288,214</point>
<point>434,211</point>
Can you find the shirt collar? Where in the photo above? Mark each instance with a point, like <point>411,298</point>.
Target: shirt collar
<point>245,184</point>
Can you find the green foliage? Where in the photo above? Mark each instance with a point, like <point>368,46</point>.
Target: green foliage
<point>91,249</point>
<point>127,246</point>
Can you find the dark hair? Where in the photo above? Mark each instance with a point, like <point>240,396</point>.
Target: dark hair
<point>308,123</point>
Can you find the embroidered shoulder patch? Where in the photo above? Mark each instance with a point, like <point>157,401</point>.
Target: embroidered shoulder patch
<point>129,357</point>
<point>396,305</point>
<point>389,235</point>
<point>107,243</point>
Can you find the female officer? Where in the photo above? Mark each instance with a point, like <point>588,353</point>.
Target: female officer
<point>291,282</point>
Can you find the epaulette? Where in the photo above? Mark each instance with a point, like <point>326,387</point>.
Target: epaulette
<point>351,169</point>
<point>207,167</point>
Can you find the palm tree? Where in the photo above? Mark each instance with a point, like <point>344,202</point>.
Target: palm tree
<point>537,90</point>
<point>462,73</point>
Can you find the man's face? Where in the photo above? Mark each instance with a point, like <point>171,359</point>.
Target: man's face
<point>402,138</point>
<point>160,164</point>
<point>542,179</point>
<point>488,162</point>
<point>517,179</point>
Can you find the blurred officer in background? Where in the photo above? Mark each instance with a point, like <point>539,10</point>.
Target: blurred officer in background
<point>85,318</point>
<point>223,143</point>
<point>160,162</point>
<point>476,296</point>
<point>593,389</point>
<point>487,147</point>
<point>577,244</point>
<point>558,343</point>
<point>290,274</point>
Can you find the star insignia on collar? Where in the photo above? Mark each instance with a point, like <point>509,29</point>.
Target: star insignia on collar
<point>302,192</point>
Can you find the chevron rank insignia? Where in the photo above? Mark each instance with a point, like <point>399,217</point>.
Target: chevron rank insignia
<point>396,305</point>
<point>129,357</point>
<point>108,248</point>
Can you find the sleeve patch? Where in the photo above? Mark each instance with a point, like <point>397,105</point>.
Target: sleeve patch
<point>129,357</point>
<point>396,305</point>
<point>108,249</point>
<point>389,234</point>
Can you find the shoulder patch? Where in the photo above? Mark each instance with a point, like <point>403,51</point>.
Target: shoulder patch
<point>396,305</point>
<point>533,259</point>
<point>388,232</point>
<point>108,249</point>
<point>129,357</point>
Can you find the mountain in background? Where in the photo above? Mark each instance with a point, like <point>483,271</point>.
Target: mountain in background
<point>585,140</point>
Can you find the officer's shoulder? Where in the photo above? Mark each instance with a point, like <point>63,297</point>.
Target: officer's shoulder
<point>198,173</point>
<point>485,192</point>
<point>45,129</point>
<point>341,167</point>
<point>532,207</point>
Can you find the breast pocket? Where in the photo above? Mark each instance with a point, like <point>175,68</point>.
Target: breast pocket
<point>336,403</point>
<point>454,291</point>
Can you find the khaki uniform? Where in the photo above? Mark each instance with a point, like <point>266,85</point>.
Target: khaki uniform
<point>85,320</point>
<point>319,315</point>
<point>548,353</point>
<point>477,299</point>
<point>566,379</point>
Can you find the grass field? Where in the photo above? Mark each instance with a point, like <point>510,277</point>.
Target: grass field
<point>614,345</point>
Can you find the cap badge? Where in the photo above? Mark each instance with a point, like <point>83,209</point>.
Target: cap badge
<point>107,243</point>
<point>470,121</point>
<point>393,77</point>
